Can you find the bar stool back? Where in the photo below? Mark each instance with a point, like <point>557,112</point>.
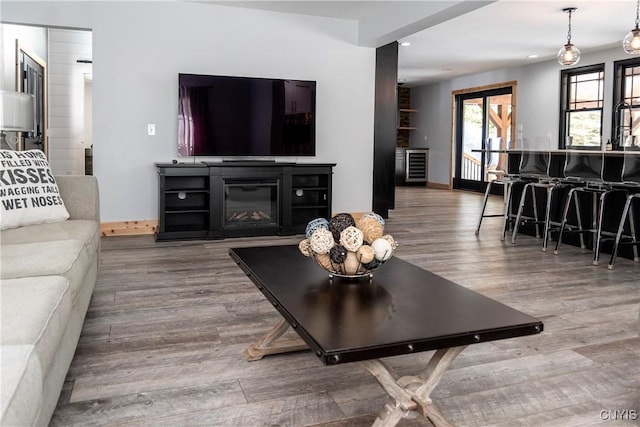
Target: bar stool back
<point>585,167</point>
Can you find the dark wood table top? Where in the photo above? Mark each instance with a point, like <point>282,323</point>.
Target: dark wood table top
<point>403,309</point>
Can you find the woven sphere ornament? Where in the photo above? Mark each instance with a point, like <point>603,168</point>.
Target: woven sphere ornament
<point>351,263</point>
<point>339,222</point>
<point>374,216</point>
<point>321,241</point>
<point>361,269</point>
<point>371,228</point>
<point>314,224</point>
<point>338,254</point>
<point>305,247</point>
<point>324,260</point>
<point>351,238</point>
<point>382,248</point>
<point>389,238</point>
<point>365,254</point>
<point>373,264</point>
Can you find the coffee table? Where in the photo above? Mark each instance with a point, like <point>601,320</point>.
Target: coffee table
<point>403,309</point>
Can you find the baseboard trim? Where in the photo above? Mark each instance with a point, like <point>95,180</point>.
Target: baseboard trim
<point>133,228</point>
<point>438,186</point>
<point>128,228</point>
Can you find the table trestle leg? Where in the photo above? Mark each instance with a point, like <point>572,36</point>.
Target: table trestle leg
<point>389,382</point>
<point>389,417</point>
<point>410,392</point>
<point>269,344</point>
<point>432,375</point>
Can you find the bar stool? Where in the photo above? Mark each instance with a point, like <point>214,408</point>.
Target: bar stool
<point>585,169</point>
<point>506,180</point>
<point>631,180</point>
<point>534,169</point>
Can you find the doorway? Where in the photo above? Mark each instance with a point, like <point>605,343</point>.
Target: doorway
<point>484,121</point>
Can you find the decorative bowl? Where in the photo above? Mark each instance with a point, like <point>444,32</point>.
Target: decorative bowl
<point>346,247</point>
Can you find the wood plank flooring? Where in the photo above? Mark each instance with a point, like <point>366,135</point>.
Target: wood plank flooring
<point>163,339</point>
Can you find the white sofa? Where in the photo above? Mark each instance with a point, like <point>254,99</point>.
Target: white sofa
<point>48,272</point>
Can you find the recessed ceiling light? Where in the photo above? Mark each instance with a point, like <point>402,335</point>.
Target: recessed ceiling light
<point>533,55</point>
<point>405,44</point>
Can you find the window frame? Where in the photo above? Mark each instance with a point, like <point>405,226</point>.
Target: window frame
<point>565,96</point>
<point>619,87</point>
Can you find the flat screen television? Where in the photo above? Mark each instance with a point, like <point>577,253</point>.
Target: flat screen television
<point>245,116</point>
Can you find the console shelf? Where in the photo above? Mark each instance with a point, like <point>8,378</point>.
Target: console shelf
<point>240,198</point>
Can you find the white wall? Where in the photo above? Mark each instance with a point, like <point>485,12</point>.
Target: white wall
<point>140,47</point>
<point>538,105</point>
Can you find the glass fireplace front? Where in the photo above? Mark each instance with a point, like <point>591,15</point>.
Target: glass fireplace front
<point>251,203</point>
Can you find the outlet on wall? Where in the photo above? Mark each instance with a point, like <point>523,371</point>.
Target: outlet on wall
<point>151,129</point>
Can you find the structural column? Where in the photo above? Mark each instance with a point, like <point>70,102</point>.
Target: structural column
<point>385,124</point>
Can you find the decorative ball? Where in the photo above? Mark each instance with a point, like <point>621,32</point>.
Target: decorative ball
<point>351,264</point>
<point>351,238</point>
<point>321,241</point>
<point>371,228</point>
<point>314,224</point>
<point>305,247</point>
<point>374,216</point>
<point>365,254</point>
<point>382,249</point>
<point>339,222</point>
<point>345,247</point>
<point>338,254</point>
<point>324,260</point>
<point>389,238</point>
<point>373,264</point>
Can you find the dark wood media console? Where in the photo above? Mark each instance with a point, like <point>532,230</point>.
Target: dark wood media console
<point>240,198</point>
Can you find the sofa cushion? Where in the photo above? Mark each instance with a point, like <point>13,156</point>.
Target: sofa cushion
<point>41,254</point>
<point>65,258</point>
<point>35,311</point>
<point>28,191</point>
<point>21,385</point>
<point>83,230</point>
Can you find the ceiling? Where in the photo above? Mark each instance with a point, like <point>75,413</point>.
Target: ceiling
<point>455,38</point>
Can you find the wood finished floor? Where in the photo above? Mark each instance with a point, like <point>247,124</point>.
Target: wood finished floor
<point>163,339</point>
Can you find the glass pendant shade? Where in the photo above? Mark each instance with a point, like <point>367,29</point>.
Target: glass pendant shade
<point>631,43</point>
<point>568,55</point>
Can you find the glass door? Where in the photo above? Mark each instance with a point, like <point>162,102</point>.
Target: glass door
<point>483,123</point>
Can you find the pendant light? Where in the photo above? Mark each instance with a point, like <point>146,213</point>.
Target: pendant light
<point>631,43</point>
<point>569,54</point>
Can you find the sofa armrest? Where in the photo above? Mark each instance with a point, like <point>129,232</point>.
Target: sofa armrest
<point>81,196</point>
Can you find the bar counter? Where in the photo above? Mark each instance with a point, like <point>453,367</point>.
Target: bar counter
<point>612,172</point>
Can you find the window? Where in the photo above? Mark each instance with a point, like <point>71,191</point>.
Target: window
<point>582,99</point>
<point>626,100</point>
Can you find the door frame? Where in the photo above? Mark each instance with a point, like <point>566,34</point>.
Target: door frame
<point>454,125</point>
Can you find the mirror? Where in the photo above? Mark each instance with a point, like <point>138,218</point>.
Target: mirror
<point>31,78</point>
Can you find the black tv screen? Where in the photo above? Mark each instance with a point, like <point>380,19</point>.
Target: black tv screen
<point>245,116</point>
